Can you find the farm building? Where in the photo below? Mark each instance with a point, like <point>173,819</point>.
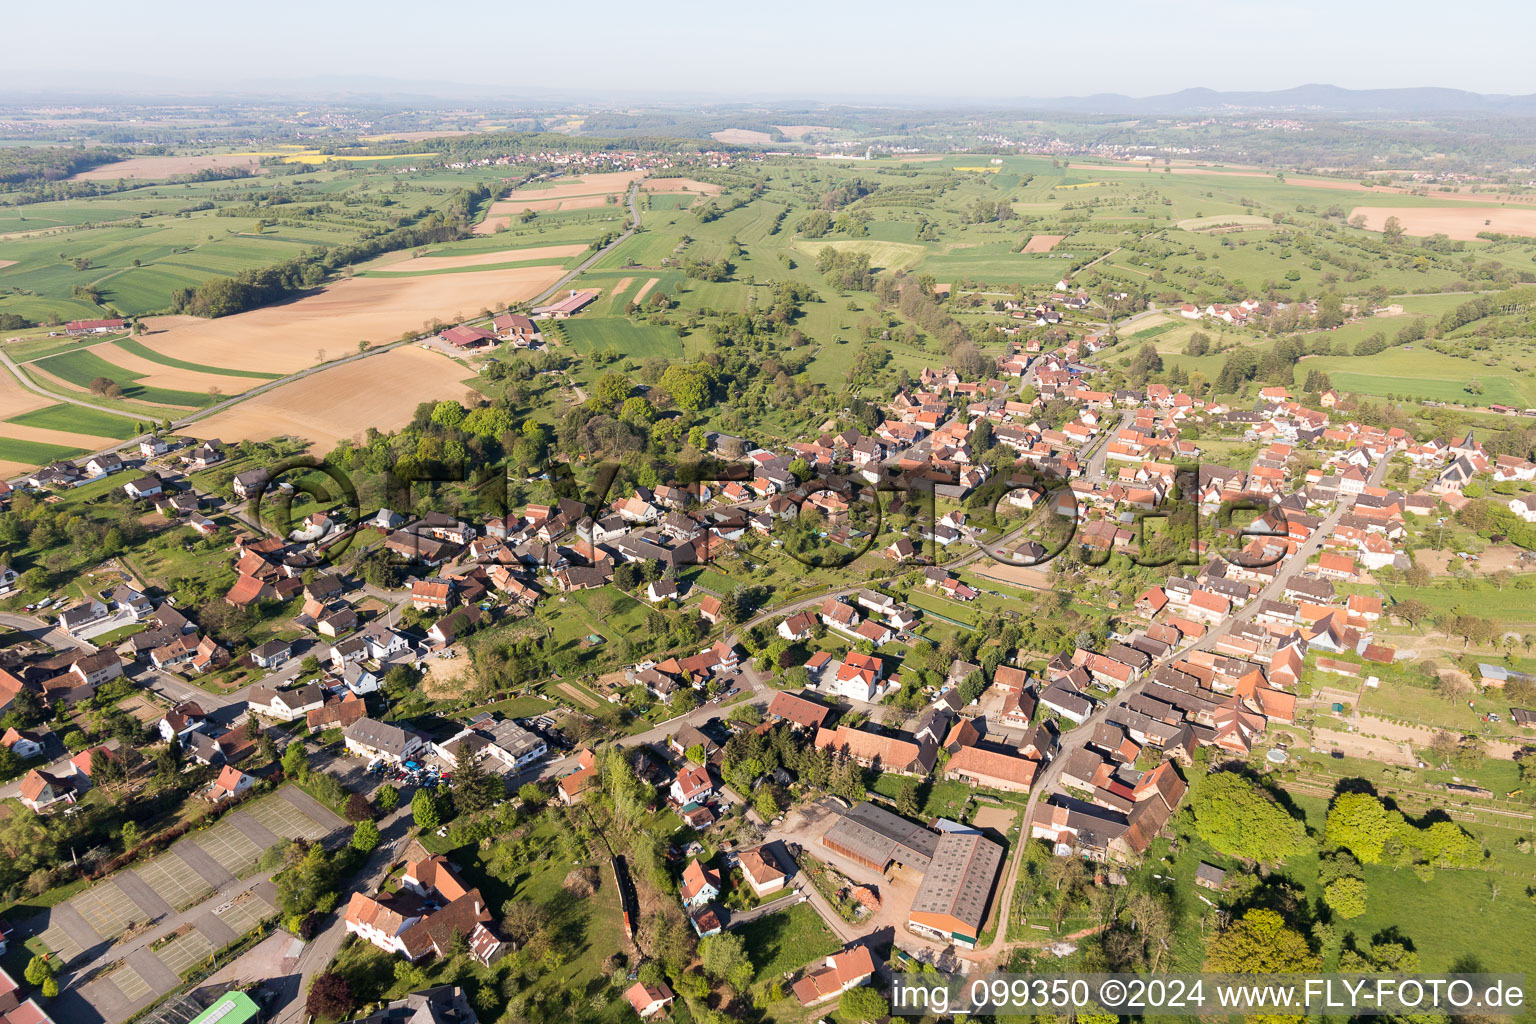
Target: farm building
<point>75,328</point>
<point>569,306</point>
<point>464,336</point>
<point>951,904</point>
<point>876,838</point>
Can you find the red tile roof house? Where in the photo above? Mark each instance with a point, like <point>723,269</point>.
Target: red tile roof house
<point>78,327</point>
<point>407,923</point>
<point>432,595</point>
<point>992,769</point>
<point>692,785</point>
<point>13,1009</point>
<point>797,626</point>
<point>39,790</point>
<point>838,615</point>
<point>515,327</point>
<point>467,337</point>
<point>842,971</point>
<point>574,786</point>
<point>231,782</point>
<point>760,871</point>
<point>892,755</point>
<point>700,885</point>
<point>648,1000</point>
<point>800,712</point>
<point>1336,566</point>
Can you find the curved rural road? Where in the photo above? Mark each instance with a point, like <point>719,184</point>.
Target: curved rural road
<point>27,382</point>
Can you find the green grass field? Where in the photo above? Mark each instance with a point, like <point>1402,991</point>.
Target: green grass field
<point>1421,373</point>
<point>479,268</point>
<point>83,366</point>
<point>34,453</point>
<point>77,420</point>
<point>783,941</point>
<point>637,341</point>
<point>145,352</point>
<point>883,255</point>
<point>1152,332</point>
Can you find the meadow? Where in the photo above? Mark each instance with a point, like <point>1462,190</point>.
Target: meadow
<point>1420,373</point>
<point>76,419</point>
<point>83,366</point>
<point>619,335</point>
<point>33,453</point>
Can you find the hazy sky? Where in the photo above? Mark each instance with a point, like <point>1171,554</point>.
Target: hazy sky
<point>983,48</point>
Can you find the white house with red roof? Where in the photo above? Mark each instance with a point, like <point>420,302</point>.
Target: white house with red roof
<point>692,785</point>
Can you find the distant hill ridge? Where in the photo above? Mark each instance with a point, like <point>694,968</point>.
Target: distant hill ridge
<point>1303,99</point>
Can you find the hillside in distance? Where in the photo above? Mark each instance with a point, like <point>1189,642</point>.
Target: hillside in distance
<point>1308,99</point>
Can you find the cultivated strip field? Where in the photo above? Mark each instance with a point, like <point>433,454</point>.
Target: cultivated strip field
<point>742,136</point>
<point>291,336</point>
<point>1460,222</point>
<point>165,166</point>
<point>680,185</point>
<point>1043,243</point>
<point>343,402</point>
<point>421,264</point>
<point>15,399</point>
<point>592,186</point>
<point>63,438</point>
<point>547,205</point>
<point>158,375</point>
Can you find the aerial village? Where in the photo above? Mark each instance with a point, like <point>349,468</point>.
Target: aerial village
<point>1205,664</point>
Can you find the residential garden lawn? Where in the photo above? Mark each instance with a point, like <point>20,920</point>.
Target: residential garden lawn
<point>167,561</point>
<point>938,799</point>
<point>516,707</point>
<point>34,453</point>
<point>621,335</point>
<point>609,611</point>
<point>942,606</point>
<point>713,581</point>
<point>145,352</point>
<point>77,419</point>
<point>786,940</point>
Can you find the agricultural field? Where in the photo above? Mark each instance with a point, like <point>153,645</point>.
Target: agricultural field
<point>81,367</point>
<point>564,194</point>
<point>330,323</point>
<point>343,401</point>
<point>75,418</point>
<point>618,335</point>
<point>1422,374</point>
